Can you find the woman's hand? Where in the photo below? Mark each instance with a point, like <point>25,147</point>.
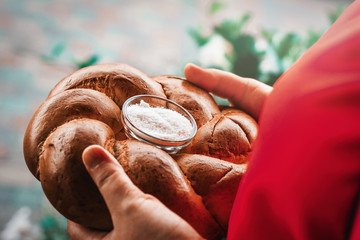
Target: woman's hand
<point>246,93</point>
<point>135,215</point>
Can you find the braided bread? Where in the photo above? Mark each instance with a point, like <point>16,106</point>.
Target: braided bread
<point>84,108</point>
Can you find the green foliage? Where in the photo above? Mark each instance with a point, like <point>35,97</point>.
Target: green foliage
<point>287,43</point>
<point>59,49</point>
<point>285,49</point>
<point>216,7</point>
<point>55,53</point>
<point>334,15</point>
<point>232,29</point>
<point>88,62</point>
<point>312,37</point>
<point>245,59</point>
<point>198,37</point>
<point>53,227</point>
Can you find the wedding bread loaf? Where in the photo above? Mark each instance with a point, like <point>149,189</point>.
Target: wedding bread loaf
<point>84,108</point>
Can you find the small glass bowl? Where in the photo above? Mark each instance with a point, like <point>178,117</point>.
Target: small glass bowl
<point>132,132</point>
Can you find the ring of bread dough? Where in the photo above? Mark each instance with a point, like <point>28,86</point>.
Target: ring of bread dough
<point>84,108</point>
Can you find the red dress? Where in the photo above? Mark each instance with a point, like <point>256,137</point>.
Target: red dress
<point>303,179</point>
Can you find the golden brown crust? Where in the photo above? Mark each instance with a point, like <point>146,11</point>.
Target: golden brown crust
<point>66,106</point>
<point>84,109</point>
<point>228,136</point>
<point>64,178</point>
<point>194,99</point>
<point>215,180</point>
<point>247,123</point>
<point>117,80</point>
<point>156,172</point>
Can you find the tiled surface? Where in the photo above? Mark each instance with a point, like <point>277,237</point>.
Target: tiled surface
<point>151,35</point>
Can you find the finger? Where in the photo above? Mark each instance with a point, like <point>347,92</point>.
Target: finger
<point>115,186</point>
<point>79,232</point>
<point>221,83</point>
<point>245,93</point>
<point>200,77</point>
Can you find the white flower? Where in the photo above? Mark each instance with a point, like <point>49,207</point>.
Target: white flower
<point>214,51</point>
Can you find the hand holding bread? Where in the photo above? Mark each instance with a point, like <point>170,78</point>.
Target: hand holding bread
<point>199,184</point>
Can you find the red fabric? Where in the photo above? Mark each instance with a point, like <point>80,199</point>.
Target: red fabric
<point>303,179</point>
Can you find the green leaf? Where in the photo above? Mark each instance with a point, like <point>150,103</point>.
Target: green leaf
<point>286,43</point>
<point>90,61</point>
<point>216,7</point>
<point>47,222</point>
<point>312,37</point>
<point>244,19</point>
<point>55,53</point>
<point>334,15</point>
<point>58,49</point>
<point>230,29</point>
<point>199,38</point>
<point>244,44</point>
<point>53,227</point>
<point>268,35</point>
<point>247,65</point>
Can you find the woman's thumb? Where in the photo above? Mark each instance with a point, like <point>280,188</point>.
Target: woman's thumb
<point>114,185</point>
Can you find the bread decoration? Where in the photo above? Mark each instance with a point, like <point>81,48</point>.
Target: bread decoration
<point>199,183</point>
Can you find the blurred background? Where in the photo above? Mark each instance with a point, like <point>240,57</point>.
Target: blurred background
<point>42,41</point>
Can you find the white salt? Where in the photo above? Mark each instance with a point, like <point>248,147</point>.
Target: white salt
<point>159,122</point>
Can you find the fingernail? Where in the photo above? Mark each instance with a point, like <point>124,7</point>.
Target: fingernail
<point>93,156</point>
<point>191,71</point>
<point>193,65</point>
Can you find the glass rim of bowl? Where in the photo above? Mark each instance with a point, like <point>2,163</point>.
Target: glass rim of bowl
<point>150,138</point>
